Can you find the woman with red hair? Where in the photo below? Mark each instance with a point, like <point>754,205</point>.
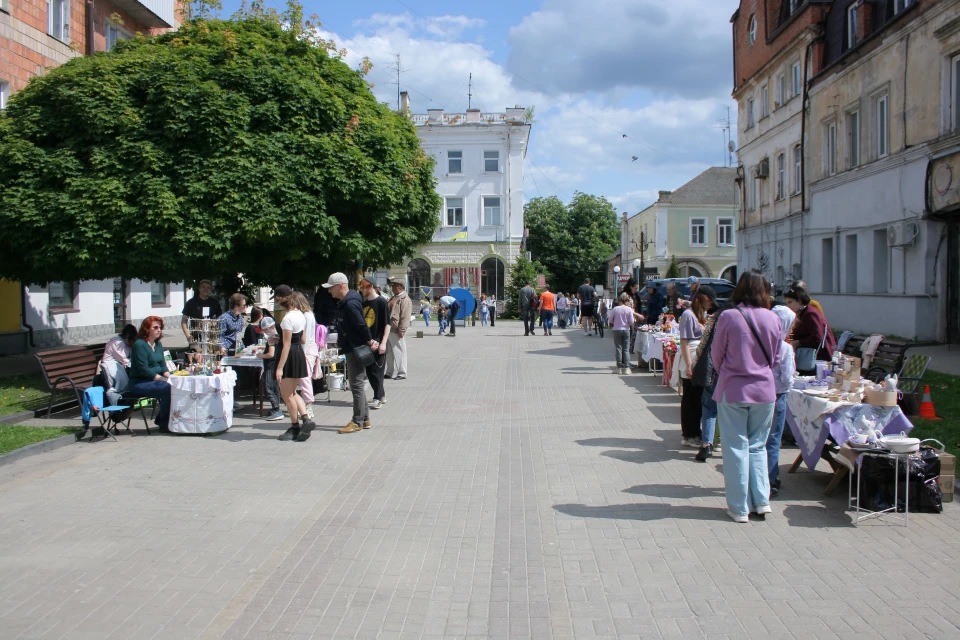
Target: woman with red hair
<point>148,369</point>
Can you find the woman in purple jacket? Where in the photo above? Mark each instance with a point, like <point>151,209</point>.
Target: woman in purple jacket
<point>745,350</point>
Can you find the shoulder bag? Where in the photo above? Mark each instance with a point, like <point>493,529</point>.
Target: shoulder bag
<point>756,335</point>
<point>704,375</point>
<point>364,355</point>
<point>806,357</point>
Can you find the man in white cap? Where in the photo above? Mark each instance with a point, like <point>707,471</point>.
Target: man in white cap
<point>400,308</point>
<point>352,332</point>
<point>693,283</point>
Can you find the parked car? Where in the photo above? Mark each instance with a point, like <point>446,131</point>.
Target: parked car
<point>723,288</point>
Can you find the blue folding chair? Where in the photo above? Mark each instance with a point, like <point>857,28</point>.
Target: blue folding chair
<point>92,405</point>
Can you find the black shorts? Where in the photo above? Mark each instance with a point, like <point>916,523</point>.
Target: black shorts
<point>586,311</point>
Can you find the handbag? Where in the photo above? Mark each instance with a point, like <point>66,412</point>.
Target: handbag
<point>364,355</point>
<point>704,374</point>
<point>806,357</point>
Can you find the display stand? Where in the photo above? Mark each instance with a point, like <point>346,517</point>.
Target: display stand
<point>205,337</point>
<point>892,511</point>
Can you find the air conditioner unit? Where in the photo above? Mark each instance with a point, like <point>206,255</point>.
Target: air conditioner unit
<point>901,234</point>
<point>763,169</point>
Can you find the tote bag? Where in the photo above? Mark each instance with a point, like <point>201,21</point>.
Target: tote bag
<point>807,357</point>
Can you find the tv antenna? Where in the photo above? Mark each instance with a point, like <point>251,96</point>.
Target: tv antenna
<point>399,70</point>
<point>469,92</point>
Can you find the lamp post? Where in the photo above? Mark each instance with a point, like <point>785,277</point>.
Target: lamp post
<point>616,280</point>
<point>641,246</point>
<point>637,264</point>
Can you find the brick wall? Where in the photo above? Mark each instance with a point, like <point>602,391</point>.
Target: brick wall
<point>749,59</point>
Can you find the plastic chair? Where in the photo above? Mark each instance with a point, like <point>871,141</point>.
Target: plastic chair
<point>93,399</point>
<point>912,373</point>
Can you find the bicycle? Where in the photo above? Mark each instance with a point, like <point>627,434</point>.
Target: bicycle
<point>598,324</point>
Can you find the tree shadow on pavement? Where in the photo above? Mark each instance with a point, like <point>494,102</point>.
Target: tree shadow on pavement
<point>817,516</point>
<point>678,491</point>
<point>645,512</point>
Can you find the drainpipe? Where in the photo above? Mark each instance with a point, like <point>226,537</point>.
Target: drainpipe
<point>91,30</point>
<point>23,315</point>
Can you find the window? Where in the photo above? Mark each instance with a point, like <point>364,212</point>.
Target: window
<point>115,34</point>
<point>752,30</point>
<point>901,5</point>
<point>882,127</point>
<point>881,262</point>
<point>955,94</point>
<point>725,232</point>
<point>698,232</point>
<point>797,168</point>
<point>850,277</point>
<point>4,93</point>
<point>455,162</point>
<point>795,75</point>
<point>491,161</point>
<point>781,177</point>
<point>793,6</point>
<point>852,25</point>
<point>454,212</point>
<point>491,211</point>
<point>158,293</point>
<point>764,101</point>
<point>831,145</point>
<point>826,258</point>
<point>5,6</point>
<point>58,19</point>
<point>853,124</point>
<point>781,95</point>
<point>750,117</point>
<point>62,294</point>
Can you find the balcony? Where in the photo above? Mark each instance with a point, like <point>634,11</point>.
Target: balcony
<point>155,14</point>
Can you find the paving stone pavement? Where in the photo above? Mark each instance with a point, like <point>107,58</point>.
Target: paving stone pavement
<point>510,488</point>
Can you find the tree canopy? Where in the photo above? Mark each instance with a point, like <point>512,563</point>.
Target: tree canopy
<point>573,240</point>
<point>228,146</point>
<point>522,271</point>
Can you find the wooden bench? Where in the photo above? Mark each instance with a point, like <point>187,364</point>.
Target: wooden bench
<point>888,358</point>
<point>70,368</point>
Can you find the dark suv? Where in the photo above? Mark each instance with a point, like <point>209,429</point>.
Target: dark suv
<point>723,288</point>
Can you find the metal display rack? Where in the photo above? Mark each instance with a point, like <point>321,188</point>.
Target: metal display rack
<point>205,336</point>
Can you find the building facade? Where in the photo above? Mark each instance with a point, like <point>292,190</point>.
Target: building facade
<point>34,36</point>
<point>697,223</point>
<point>479,172</point>
<point>839,190</point>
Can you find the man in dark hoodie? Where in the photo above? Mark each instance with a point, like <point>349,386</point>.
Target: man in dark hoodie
<point>352,332</point>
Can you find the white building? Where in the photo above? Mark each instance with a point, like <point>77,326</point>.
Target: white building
<point>479,174</point>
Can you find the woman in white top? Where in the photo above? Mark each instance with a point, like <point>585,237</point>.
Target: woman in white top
<point>291,363</point>
<point>116,361</point>
<point>312,355</point>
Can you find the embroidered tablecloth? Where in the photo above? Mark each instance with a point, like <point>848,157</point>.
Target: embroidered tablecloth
<point>202,404</point>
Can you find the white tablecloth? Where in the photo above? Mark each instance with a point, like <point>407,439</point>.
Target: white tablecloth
<point>650,347</point>
<point>202,404</point>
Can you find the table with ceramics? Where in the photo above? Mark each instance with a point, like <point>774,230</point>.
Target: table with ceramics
<point>202,403</point>
<point>657,346</point>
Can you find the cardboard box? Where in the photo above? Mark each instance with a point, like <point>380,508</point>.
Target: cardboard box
<point>880,398</point>
<point>948,472</point>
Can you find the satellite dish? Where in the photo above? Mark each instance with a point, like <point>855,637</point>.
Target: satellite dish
<point>732,146</point>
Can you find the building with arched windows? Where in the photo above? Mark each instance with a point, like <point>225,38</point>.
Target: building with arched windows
<point>479,172</point>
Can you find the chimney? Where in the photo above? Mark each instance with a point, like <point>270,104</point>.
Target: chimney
<point>434,115</point>
<point>404,102</point>
<point>515,114</point>
<point>473,115</point>
<point>664,196</point>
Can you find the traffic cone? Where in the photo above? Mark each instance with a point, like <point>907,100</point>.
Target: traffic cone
<point>926,405</point>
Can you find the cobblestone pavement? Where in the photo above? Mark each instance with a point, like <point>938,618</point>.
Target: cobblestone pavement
<point>510,488</point>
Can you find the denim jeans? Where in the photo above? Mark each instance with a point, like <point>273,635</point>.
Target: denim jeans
<point>271,388</point>
<point>708,415</point>
<point>357,379</point>
<point>454,310</point>
<point>621,339</point>
<point>744,428</point>
<point>547,317</point>
<point>773,440</point>
<point>159,389</point>
<point>426,318</point>
<point>529,319</point>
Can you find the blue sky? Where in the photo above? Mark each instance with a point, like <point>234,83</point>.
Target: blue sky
<point>629,94</point>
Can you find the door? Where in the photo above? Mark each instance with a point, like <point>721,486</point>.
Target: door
<point>119,304</point>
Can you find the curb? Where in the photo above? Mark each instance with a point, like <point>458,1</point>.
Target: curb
<point>15,418</point>
<point>39,447</point>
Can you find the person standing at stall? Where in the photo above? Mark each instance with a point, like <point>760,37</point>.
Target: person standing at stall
<point>291,363</point>
<point>812,338</point>
<point>400,309</point>
<point>376,315</point>
<point>200,306</point>
<point>352,332</point>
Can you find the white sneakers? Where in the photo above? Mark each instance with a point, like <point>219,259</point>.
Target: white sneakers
<point>739,518</point>
<point>693,443</point>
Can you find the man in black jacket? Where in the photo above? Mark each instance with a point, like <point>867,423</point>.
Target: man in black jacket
<point>352,332</point>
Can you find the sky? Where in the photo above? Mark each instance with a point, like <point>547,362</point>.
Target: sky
<point>630,96</point>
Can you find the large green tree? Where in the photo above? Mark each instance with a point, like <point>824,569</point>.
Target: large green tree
<point>241,146</point>
<point>573,240</point>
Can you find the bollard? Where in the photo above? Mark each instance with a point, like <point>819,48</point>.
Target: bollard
<point>419,334</point>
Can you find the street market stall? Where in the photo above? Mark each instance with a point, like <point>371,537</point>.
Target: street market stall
<point>202,403</point>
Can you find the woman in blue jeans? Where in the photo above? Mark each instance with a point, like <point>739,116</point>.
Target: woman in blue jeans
<point>148,369</point>
<point>745,351</point>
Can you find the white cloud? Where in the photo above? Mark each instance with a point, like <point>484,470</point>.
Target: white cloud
<point>634,201</point>
<point>443,27</point>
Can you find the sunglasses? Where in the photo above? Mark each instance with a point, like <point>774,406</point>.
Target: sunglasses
<point>157,328</point>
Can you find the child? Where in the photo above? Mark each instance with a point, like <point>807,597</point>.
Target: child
<point>442,319</point>
<point>622,317</point>
<point>268,354</point>
<point>783,379</point>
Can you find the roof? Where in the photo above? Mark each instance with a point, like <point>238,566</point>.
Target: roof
<point>716,185</point>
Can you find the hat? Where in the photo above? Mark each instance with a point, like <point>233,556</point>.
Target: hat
<point>267,323</point>
<point>199,284</point>
<point>281,291</point>
<point>396,281</point>
<point>692,280</point>
<point>710,292</point>
<point>335,279</point>
<point>366,281</point>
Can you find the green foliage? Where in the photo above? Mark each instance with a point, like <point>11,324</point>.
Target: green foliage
<point>573,240</point>
<point>226,147</point>
<point>13,437</point>
<point>523,270</point>
<point>673,271</point>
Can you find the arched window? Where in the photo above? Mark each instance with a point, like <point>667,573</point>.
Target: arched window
<point>418,274</point>
<point>752,30</point>
<point>492,277</point>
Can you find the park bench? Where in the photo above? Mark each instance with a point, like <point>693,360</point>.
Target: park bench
<point>69,369</point>
<point>888,359</point>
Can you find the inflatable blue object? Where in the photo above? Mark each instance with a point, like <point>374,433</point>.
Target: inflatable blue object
<point>467,303</point>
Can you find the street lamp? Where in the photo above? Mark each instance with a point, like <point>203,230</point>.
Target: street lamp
<point>636,270</point>
<point>641,247</point>
<point>616,280</point>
